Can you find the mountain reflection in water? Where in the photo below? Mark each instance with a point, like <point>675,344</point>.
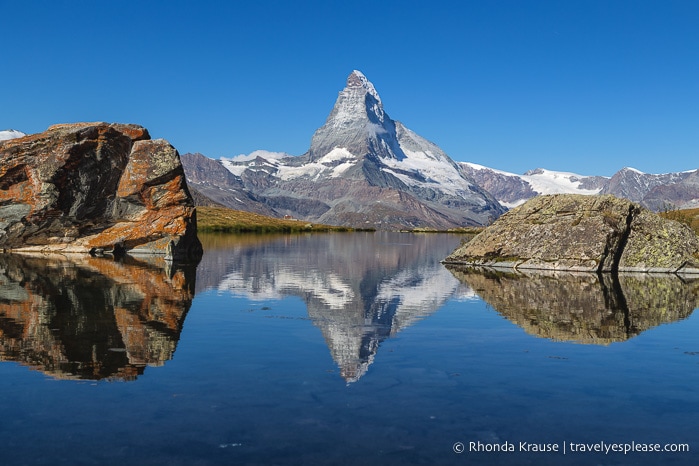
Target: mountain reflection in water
<point>585,308</point>
<point>91,318</point>
<point>359,288</point>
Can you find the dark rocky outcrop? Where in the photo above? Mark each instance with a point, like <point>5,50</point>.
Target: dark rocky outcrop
<point>95,187</point>
<point>585,233</point>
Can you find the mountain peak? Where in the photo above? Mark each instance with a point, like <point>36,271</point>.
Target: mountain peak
<point>364,169</point>
<point>631,169</point>
<point>357,123</point>
<point>356,79</point>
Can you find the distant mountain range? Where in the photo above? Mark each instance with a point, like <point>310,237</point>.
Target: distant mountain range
<point>656,192</point>
<point>512,190</point>
<point>364,169</point>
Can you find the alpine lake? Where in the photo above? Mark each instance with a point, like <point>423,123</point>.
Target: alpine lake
<point>342,349</point>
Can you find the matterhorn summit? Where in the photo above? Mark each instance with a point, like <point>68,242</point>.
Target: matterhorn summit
<point>364,169</point>
<point>357,123</point>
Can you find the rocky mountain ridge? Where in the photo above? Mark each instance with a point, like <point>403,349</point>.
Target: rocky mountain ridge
<point>362,169</point>
<point>217,179</point>
<point>656,192</point>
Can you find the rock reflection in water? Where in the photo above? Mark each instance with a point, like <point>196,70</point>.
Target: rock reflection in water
<point>359,289</point>
<point>585,308</point>
<point>91,318</point>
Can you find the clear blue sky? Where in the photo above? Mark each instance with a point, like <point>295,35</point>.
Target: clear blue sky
<point>584,86</point>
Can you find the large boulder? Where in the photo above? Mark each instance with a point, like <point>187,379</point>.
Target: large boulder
<point>95,188</point>
<point>586,233</point>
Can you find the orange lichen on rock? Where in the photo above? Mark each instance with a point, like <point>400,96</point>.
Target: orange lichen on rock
<point>95,187</point>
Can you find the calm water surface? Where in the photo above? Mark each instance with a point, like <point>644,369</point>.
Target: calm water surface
<point>340,349</point>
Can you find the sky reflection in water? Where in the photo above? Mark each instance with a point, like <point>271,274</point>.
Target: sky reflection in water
<point>339,349</point>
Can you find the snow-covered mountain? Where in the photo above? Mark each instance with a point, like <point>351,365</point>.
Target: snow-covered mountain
<point>512,190</point>
<point>656,192</point>
<point>365,169</point>
<point>11,134</point>
<point>210,178</point>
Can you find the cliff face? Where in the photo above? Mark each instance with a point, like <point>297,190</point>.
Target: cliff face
<point>586,233</point>
<point>98,188</point>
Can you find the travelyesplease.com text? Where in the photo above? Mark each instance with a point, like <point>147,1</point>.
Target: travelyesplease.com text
<point>568,447</point>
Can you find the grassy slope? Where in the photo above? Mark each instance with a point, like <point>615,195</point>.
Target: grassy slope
<point>220,219</point>
<point>688,216</point>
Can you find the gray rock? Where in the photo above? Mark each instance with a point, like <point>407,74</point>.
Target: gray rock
<point>584,233</point>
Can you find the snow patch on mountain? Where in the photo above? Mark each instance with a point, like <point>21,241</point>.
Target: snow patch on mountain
<point>11,134</point>
<point>238,164</point>
<point>554,182</point>
<point>428,171</point>
<point>476,166</point>
<point>540,181</point>
<point>258,153</point>
<point>332,165</point>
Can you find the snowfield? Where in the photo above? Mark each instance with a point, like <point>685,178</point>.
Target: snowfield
<point>543,182</point>
<point>10,134</point>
